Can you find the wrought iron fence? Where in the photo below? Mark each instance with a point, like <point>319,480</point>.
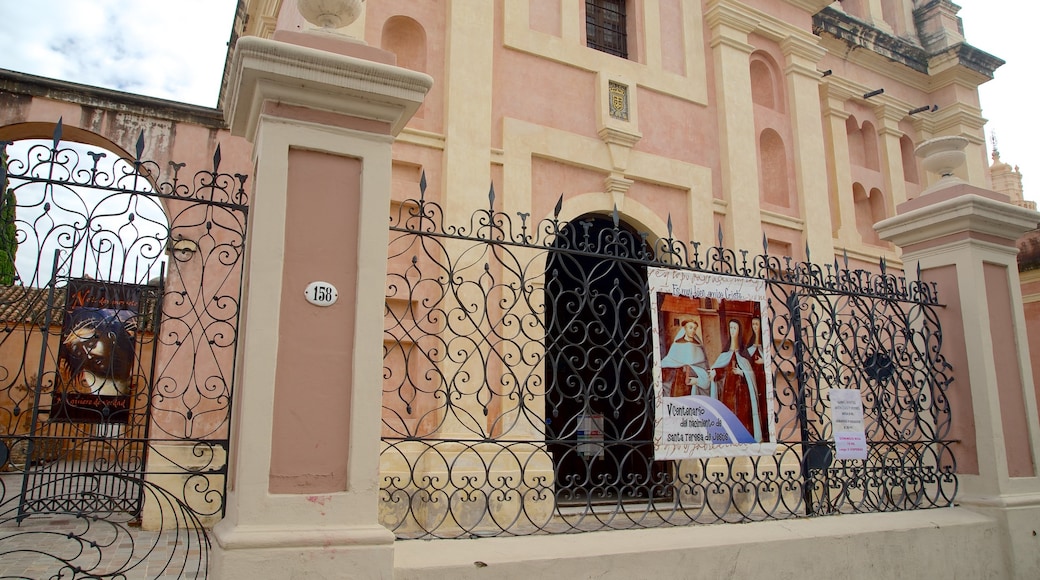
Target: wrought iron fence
<point>117,343</point>
<point>504,336</point>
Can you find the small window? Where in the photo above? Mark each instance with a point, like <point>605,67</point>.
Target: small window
<point>605,26</point>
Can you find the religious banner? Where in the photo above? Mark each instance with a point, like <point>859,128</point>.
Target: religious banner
<point>713,387</point>
<point>96,355</point>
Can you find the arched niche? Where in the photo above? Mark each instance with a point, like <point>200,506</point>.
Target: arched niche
<point>772,158</point>
<point>763,82</point>
<point>906,149</point>
<point>870,209</point>
<point>406,38</point>
<point>855,140</point>
<point>871,158</point>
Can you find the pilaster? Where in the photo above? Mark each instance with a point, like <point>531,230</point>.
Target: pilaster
<point>737,139</point>
<point>843,204</point>
<point>810,154</point>
<point>889,116</point>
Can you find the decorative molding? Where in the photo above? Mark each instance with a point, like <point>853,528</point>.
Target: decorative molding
<point>968,212</point>
<point>265,69</point>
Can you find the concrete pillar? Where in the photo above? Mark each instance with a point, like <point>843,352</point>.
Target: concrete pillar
<point>964,239</point>
<point>810,154</point>
<point>322,112</point>
<point>738,142</point>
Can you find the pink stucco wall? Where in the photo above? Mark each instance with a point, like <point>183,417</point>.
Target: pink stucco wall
<point>310,440</point>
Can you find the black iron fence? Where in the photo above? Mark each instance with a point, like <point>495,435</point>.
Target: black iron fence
<point>119,294</point>
<point>518,393</point>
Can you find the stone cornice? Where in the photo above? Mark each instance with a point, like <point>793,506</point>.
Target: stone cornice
<point>970,212</point>
<point>856,33</point>
<point>723,13</point>
<point>962,65</point>
<point>268,70</point>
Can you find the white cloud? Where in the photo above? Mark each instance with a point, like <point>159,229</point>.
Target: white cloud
<point>168,50</point>
<point>1006,29</point>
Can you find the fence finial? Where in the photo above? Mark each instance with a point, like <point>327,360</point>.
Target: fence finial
<point>57,132</point>
<point>558,208</point>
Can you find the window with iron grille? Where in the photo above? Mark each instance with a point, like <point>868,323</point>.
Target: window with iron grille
<point>605,26</point>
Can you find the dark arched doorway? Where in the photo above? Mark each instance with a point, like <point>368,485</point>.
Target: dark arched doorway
<point>599,401</point>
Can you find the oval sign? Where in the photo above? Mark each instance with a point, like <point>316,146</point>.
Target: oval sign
<point>321,293</point>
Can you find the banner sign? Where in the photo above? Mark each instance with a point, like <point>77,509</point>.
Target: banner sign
<point>712,373</point>
<point>96,356</point>
<point>850,439</point>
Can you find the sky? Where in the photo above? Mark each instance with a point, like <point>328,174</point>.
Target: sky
<point>176,51</point>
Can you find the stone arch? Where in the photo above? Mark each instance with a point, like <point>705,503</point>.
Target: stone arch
<point>637,215</point>
<point>88,213</point>
<point>772,162</point>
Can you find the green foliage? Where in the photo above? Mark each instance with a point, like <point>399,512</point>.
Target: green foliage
<point>8,230</point>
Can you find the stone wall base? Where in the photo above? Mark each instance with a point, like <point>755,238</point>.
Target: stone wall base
<point>326,553</point>
<point>939,543</point>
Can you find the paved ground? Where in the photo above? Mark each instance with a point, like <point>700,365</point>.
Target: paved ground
<point>65,546</point>
<point>62,547</point>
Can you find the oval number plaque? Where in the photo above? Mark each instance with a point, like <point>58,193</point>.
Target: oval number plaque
<point>321,293</point>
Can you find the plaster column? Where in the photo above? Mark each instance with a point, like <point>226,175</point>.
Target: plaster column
<point>322,112</point>
<point>738,142</point>
<point>843,208</point>
<point>964,239</point>
<point>810,153</point>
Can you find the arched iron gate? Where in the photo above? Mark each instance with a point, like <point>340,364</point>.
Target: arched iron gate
<point>119,298</point>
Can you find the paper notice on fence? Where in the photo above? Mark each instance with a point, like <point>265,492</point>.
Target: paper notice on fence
<point>850,441</point>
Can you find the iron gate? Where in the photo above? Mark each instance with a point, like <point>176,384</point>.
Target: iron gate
<point>119,298</point>
<point>519,398</point>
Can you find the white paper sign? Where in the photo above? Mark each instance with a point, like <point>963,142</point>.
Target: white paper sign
<point>850,441</point>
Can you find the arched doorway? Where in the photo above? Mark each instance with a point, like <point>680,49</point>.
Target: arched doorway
<point>599,401</point>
